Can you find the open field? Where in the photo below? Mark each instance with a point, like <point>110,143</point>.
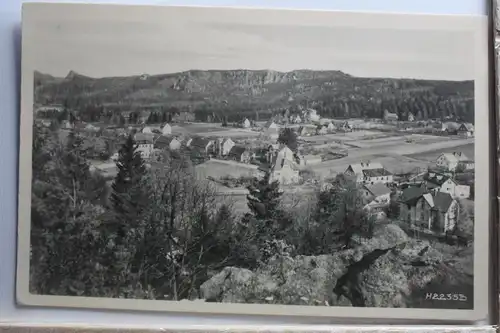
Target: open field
<point>218,169</point>
<point>395,156</point>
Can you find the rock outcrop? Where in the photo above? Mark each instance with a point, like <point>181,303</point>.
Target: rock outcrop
<point>384,271</point>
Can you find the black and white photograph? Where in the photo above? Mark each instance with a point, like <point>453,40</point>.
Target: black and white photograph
<point>218,157</point>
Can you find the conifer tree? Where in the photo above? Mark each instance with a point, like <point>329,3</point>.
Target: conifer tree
<point>127,194</point>
<point>264,198</point>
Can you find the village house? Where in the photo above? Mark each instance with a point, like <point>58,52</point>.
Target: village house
<point>436,182</point>
<point>380,175</point>
<point>284,168</point>
<point>201,144</point>
<point>435,212</point>
<point>377,193</point>
<point>388,116</point>
<point>450,127</point>
<point>183,116</point>
<point>331,127</point>
<point>246,123</point>
<point>356,170</point>
<point>466,130</point>
<point>224,146</point>
<point>147,130</point>
<point>450,161</point>
<point>165,142</point>
<point>411,117</point>
<point>145,144</point>
<point>270,124</point>
<point>239,154</point>
<point>166,129</point>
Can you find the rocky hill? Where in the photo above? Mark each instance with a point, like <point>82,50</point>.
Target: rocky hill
<point>237,93</point>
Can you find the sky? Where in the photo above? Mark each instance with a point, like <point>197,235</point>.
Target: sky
<point>107,40</point>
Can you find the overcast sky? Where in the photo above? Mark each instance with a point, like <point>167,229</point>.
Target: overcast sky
<point>103,41</point>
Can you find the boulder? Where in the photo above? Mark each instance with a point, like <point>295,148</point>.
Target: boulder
<point>383,271</point>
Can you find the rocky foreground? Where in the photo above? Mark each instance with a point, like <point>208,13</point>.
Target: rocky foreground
<point>388,270</point>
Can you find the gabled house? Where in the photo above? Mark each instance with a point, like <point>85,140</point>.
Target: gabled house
<point>331,127</point>
<point>450,127</point>
<point>377,193</point>
<point>284,168</point>
<point>450,161</point>
<point>239,154</point>
<point>224,146</point>
<point>437,182</point>
<point>166,129</point>
<point>466,130</point>
<point>201,144</point>
<point>145,144</point>
<point>270,124</point>
<point>388,116</point>
<point>369,173</point>
<point>246,123</point>
<point>165,142</point>
<point>411,117</point>
<point>147,130</point>
<point>435,212</point>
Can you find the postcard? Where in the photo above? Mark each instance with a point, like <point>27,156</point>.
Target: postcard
<point>254,161</point>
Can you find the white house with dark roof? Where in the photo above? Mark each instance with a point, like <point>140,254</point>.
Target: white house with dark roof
<point>284,169</point>
<point>450,161</point>
<point>166,129</point>
<point>224,146</point>
<point>376,193</point>
<point>466,130</point>
<point>369,173</point>
<point>145,144</point>
<point>246,123</point>
<point>437,182</point>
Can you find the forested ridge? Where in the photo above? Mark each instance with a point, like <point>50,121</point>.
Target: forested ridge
<point>233,94</point>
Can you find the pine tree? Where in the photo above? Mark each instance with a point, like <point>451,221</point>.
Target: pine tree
<point>264,198</point>
<point>128,196</point>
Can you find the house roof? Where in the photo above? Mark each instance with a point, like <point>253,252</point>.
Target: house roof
<point>284,157</point>
<point>442,201</point>
<point>237,151</point>
<point>163,141</point>
<point>378,189</point>
<point>358,168</point>
<point>379,172</point>
<point>144,137</point>
<point>436,178</point>
<point>199,142</point>
<point>466,127</point>
<point>412,194</point>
